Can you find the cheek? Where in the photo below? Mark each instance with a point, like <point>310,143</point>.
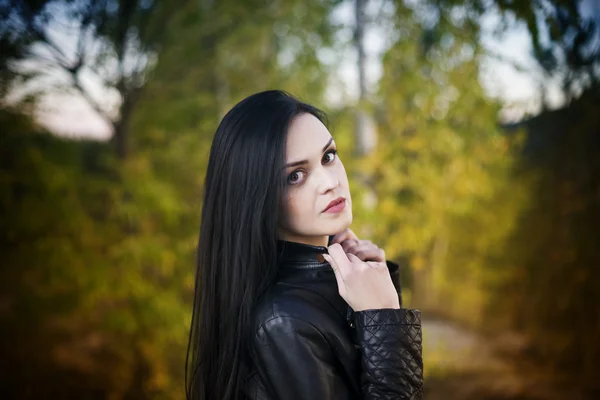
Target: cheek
<point>288,208</point>
<point>295,207</point>
<point>291,207</point>
<point>341,174</point>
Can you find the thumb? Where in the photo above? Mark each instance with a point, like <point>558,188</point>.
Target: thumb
<point>336,271</point>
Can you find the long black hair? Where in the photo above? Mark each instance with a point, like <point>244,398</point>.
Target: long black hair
<point>237,247</point>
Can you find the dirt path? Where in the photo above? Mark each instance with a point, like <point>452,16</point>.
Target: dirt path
<point>461,365</point>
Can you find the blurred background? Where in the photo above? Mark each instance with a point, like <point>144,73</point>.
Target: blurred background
<point>470,130</point>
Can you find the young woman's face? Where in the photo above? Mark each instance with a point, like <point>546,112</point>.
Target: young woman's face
<point>315,177</point>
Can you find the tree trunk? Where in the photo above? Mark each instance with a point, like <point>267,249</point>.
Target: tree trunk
<point>364,127</point>
<point>121,127</point>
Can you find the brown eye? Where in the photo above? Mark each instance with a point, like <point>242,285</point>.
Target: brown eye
<point>294,177</point>
<point>330,155</point>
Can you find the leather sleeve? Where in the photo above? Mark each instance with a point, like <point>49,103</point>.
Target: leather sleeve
<point>294,361</point>
<point>391,344</point>
<point>394,270</point>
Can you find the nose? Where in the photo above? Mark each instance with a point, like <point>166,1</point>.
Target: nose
<point>327,181</point>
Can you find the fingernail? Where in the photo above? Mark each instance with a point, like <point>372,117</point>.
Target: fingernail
<point>320,258</point>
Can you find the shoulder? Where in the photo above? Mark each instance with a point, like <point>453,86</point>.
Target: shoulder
<point>288,331</point>
<point>290,310</point>
<point>292,325</point>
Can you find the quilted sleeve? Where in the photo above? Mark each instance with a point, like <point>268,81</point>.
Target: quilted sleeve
<point>390,343</point>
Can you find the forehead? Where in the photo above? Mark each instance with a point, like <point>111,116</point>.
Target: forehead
<point>306,137</point>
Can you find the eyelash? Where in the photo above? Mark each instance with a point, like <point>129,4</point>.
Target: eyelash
<point>332,151</point>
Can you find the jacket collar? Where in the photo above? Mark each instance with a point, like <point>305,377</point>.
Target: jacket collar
<point>300,255</point>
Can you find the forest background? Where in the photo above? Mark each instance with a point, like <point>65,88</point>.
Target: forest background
<point>491,213</point>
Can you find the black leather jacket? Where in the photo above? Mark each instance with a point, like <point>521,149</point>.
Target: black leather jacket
<point>310,345</point>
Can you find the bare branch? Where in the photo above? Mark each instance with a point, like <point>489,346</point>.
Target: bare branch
<point>77,84</point>
<point>502,58</point>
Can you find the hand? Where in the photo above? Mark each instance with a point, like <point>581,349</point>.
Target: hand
<point>365,250</point>
<point>364,285</point>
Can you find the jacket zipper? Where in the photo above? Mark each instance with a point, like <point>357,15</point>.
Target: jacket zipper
<point>350,317</point>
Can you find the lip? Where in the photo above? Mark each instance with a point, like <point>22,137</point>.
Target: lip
<point>334,203</point>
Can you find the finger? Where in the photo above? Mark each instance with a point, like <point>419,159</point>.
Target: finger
<point>355,245</point>
<point>365,251</point>
<point>338,276</point>
<point>376,264</point>
<point>344,235</point>
<point>340,258</point>
<point>348,244</point>
<point>340,237</point>
<point>369,254</point>
<point>352,235</point>
<point>353,258</point>
<point>331,262</point>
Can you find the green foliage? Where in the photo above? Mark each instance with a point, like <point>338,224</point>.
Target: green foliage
<point>440,162</point>
<point>91,273</point>
<point>104,262</point>
<point>98,252</point>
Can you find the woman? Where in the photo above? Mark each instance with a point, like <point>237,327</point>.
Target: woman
<point>289,303</point>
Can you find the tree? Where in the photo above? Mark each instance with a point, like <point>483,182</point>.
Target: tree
<point>113,42</point>
<point>441,152</point>
<point>121,251</point>
<point>565,36</point>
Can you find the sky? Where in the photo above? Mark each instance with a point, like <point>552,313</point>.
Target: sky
<point>515,89</point>
<point>69,115</point>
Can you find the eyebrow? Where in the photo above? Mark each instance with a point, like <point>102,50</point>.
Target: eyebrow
<point>293,164</point>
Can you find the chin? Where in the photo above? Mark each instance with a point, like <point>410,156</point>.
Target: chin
<point>348,218</point>
<point>342,224</point>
